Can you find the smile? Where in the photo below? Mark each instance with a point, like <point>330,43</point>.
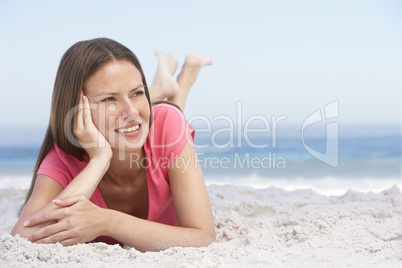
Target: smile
<point>130,129</point>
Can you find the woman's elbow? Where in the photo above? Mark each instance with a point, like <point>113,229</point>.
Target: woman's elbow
<point>14,231</point>
<point>208,237</point>
<point>19,229</point>
<point>209,240</point>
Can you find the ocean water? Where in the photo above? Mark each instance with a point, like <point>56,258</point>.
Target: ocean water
<point>361,161</point>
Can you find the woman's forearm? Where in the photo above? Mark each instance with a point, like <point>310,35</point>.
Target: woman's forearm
<point>152,236</point>
<point>84,183</point>
<point>87,180</point>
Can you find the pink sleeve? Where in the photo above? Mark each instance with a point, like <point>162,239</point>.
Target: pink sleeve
<point>171,133</point>
<point>54,167</point>
<point>61,166</point>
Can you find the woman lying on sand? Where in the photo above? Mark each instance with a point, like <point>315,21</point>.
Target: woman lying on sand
<point>131,156</point>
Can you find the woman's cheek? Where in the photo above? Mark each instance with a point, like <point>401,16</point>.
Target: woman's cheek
<point>147,110</point>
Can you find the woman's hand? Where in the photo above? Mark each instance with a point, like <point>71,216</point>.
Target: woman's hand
<point>76,221</point>
<point>93,142</point>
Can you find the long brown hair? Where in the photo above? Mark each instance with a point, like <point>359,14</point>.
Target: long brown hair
<point>78,63</point>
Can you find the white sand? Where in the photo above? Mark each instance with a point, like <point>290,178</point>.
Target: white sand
<point>255,228</point>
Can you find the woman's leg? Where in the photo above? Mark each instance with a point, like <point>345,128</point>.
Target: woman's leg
<point>164,85</point>
<point>188,75</point>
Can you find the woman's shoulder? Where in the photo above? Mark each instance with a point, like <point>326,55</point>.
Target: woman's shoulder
<point>168,121</point>
<point>170,131</point>
<point>58,160</point>
<point>55,156</point>
<point>162,109</point>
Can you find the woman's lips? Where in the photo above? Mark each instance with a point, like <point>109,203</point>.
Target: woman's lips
<point>129,128</point>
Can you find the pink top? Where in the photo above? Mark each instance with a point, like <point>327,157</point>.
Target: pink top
<point>167,137</point>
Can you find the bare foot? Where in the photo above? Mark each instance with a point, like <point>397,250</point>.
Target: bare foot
<point>164,85</point>
<point>171,61</point>
<point>188,75</point>
<point>196,60</point>
<point>191,67</point>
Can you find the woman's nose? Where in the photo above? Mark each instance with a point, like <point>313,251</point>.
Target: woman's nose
<point>128,109</point>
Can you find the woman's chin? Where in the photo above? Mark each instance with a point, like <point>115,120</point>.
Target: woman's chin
<point>127,146</point>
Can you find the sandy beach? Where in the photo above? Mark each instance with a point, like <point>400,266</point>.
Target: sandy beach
<point>296,107</point>
<point>267,227</point>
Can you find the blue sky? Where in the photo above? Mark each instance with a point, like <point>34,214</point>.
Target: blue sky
<point>275,57</point>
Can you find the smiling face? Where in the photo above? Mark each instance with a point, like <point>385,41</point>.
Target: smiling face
<point>119,106</point>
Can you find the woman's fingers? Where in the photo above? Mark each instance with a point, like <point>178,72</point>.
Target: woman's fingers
<point>55,214</point>
<point>47,216</point>
<point>51,236</point>
<point>45,232</point>
<point>79,122</point>
<point>67,201</point>
<point>69,241</point>
<point>87,118</point>
<point>83,116</point>
<point>86,132</point>
<point>70,224</point>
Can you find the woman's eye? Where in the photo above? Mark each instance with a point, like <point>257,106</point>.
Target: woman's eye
<point>108,99</point>
<point>140,92</point>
